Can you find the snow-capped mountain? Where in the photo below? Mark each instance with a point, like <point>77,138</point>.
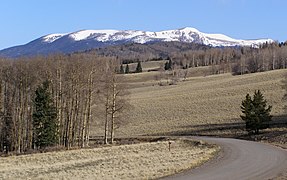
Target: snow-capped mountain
<point>88,39</point>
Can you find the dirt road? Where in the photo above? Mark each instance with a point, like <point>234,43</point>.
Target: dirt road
<point>239,159</point>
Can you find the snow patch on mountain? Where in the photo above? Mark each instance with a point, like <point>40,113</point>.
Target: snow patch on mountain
<point>88,39</point>
<point>187,35</point>
<point>100,35</point>
<point>52,37</point>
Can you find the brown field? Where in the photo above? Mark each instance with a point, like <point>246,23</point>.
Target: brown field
<point>205,100</point>
<point>137,161</point>
<point>203,105</point>
<point>149,65</point>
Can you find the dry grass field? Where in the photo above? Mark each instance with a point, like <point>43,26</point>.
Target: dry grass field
<point>197,101</point>
<point>137,161</point>
<point>146,66</point>
<point>200,105</point>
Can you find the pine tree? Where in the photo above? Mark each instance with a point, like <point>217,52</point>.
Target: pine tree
<point>127,69</point>
<point>122,71</point>
<point>44,118</point>
<point>168,65</point>
<point>256,113</point>
<point>247,109</point>
<point>7,134</point>
<point>139,67</point>
<point>261,110</point>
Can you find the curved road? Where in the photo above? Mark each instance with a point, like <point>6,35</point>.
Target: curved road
<point>239,159</point>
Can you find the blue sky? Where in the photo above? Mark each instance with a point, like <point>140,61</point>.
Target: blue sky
<point>26,20</point>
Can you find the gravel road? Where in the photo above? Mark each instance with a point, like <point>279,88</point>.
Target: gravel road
<point>239,159</point>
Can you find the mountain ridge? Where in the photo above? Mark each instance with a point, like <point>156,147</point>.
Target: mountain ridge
<point>88,39</point>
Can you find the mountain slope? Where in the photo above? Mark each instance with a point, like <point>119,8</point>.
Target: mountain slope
<point>89,39</point>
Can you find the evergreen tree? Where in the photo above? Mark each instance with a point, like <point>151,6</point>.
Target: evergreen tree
<point>7,134</point>
<point>127,69</point>
<point>256,113</point>
<point>247,109</point>
<point>168,65</point>
<point>139,68</point>
<point>122,71</point>
<point>181,64</point>
<point>44,117</point>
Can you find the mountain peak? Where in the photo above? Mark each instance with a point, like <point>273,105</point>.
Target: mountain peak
<point>88,39</point>
<point>189,29</point>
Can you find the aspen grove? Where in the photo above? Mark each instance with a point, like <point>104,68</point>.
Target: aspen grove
<point>77,85</point>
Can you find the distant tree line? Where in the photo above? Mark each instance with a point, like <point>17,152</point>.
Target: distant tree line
<point>50,101</point>
<point>126,70</point>
<point>236,60</point>
<point>134,52</point>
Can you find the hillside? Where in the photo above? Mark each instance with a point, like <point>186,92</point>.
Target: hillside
<point>143,52</point>
<point>180,108</point>
<point>148,160</point>
<point>89,39</point>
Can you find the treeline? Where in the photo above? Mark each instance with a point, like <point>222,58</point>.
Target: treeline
<point>238,60</point>
<point>134,52</point>
<point>126,70</point>
<point>79,83</point>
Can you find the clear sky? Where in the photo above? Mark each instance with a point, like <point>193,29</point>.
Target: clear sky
<point>26,20</point>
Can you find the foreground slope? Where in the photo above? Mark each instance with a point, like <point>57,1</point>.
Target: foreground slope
<point>197,101</point>
<point>137,161</point>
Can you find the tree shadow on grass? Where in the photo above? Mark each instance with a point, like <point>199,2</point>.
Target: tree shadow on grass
<point>276,132</point>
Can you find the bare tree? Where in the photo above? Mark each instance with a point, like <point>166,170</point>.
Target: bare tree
<point>115,101</point>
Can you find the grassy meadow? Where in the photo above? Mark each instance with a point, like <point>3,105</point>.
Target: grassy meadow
<point>200,100</point>
<point>147,66</point>
<point>137,161</point>
<point>184,108</point>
